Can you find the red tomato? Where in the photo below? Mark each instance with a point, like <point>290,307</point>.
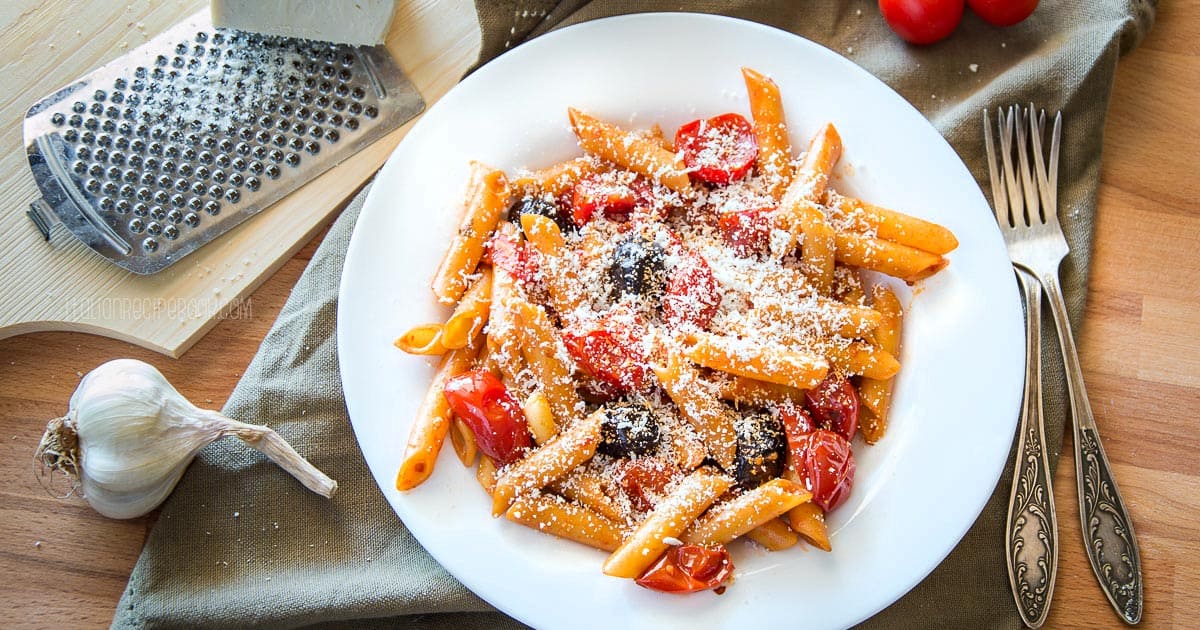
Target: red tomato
<point>611,356</point>
<point>492,413</point>
<point>747,232</point>
<point>922,21</point>
<point>512,256</point>
<point>687,569</point>
<point>796,422</point>
<point>1003,12</point>
<point>833,404</point>
<point>692,295</point>
<point>642,480</point>
<point>601,193</point>
<point>718,150</point>
<point>825,463</point>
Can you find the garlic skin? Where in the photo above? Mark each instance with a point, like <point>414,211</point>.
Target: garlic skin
<point>137,434</point>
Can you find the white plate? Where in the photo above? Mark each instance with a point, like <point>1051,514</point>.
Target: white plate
<point>956,402</point>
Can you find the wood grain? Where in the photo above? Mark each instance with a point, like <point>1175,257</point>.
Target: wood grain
<point>66,286</point>
<point>1138,344</point>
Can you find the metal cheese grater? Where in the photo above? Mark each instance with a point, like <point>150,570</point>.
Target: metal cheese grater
<point>166,148</point>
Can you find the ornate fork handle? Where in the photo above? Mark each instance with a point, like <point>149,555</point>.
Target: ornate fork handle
<point>1108,534</point>
<point>1031,529</point>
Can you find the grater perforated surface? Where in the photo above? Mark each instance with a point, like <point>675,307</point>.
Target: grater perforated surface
<point>166,148</point>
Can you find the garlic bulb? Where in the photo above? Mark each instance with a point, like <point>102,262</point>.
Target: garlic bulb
<point>129,435</point>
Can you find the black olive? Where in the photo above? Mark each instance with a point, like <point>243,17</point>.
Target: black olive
<point>638,267</point>
<point>540,207</point>
<point>628,429</point>
<point>761,448</point>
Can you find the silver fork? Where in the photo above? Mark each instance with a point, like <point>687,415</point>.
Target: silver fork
<point>1036,246</point>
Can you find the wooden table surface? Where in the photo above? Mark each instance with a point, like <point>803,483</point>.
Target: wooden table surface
<point>66,566</point>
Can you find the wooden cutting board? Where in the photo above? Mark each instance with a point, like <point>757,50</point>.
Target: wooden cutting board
<point>63,285</point>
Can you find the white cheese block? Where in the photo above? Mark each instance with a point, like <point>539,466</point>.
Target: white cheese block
<point>357,22</point>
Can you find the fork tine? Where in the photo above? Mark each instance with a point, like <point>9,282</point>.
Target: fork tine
<point>1053,177</point>
<point>999,198</point>
<point>1028,186</point>
<point>1043,184</point>
<point>1016,205</point>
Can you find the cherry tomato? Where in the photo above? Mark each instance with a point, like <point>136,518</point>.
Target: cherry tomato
<point>692,295</point>
<point>612,356</point>
<point>492,413</point>
<point>825,463</point>
<point>601,193</point>
<point>645,479</point>
<point>922,21</point>
<point>687,569</point>
<point>513,256</point>
<point>796,422</point>
<point>747,232</point>
<point>718,150</point>
<point>833,404</point>
<point>1003,12</point>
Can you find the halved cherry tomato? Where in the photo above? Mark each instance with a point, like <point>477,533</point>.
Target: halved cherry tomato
<point>824,461</point>
<point>612,356</point>
<point>644,479</point>
<point>687,569</point>
<point>601,193</point>
<point>833,404</point>
<point>922,21</point>
<point>796,422</point>
<point>1003,12</point>
<point>718,150</point>
<point>692,295</point>
<point>747,232</point>
<point>493,414</point>
<point>512,256</point>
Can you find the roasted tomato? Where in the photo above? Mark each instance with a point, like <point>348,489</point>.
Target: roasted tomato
<point>833,404</point>
<point>602,193</point>
<point>747,232</point>
<point>492,413</point>
<point>922,21</point>
<point>644,480</point>
<point>512,256</point>
<point>687,569</point>
<point>693,295</point>
<point>825,463</point>
<point>1003,12</point>
<point>612,356</point>
<point>718,150</point>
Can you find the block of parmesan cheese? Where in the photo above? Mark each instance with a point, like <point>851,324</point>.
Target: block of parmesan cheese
<point>356,22</point>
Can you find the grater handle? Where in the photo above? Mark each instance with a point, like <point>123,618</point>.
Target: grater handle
<point>43,217</point>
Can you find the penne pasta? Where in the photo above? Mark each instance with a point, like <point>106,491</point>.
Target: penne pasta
<point>560,278</point>
<point>808,227</point>
<point>540,347</point>
<point>741,389</point>
<point>559,179</point>
<point>862,358</point>
<point>572,447</point>
<point>901,261</point>
<point>471,314</point>
<point>727,520</point>
<point>555,515</point>
<point>767,363</point>
<point>637,153</point>
<point>808,520</point>
<point>432,422</point>
<point>485,474</point>
<point>463,440</point>
<point>699,408</point>
<point>774,535</point>
<point>423,339</point>
<point>811,180</point>
<point>694,494</point>
<point>876,393</point>
<point>587,489</point>
<point>540,417</point>
<point>774,160</point>
<point>486,201</point>
<point>891,225</point>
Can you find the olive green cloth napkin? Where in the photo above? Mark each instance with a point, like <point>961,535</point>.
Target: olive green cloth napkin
<point>241,544</point>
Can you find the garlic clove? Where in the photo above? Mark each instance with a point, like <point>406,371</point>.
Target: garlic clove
<point>129,435</point>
